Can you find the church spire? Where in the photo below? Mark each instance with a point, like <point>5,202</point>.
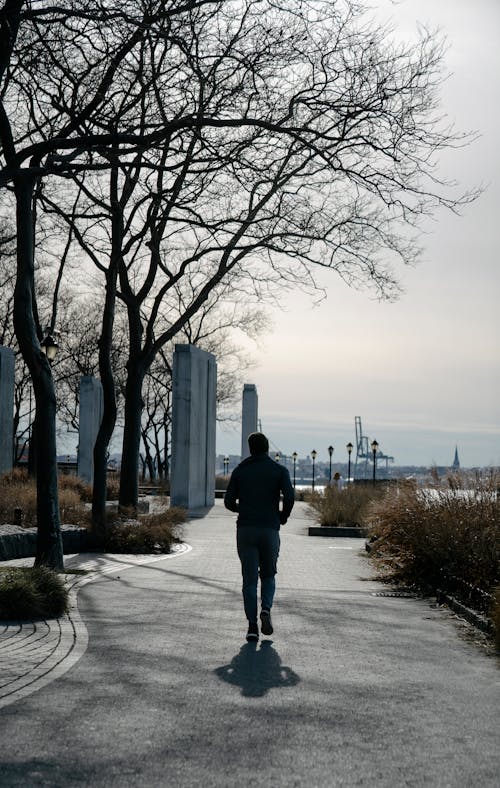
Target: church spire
<point>456,461</point>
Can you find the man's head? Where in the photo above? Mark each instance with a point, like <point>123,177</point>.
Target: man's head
<point>258,443</point>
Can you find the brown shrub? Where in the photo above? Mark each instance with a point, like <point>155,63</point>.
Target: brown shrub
<point>426,537</point>
<point>495,616</point>
<point>79,486</point>
<point>347,506</point>
<point>18,490</point>
<point>72,509</point>
<point>112,487</point>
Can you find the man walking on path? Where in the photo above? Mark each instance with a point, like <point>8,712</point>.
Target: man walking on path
<point>254,492</point>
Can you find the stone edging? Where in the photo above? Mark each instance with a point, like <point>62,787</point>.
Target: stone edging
<point>337,530</point>
<point>17,542</point>
<point>472,616</point>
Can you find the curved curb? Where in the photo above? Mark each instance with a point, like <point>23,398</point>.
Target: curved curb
<point>472,616</point>
<point>43,651</point>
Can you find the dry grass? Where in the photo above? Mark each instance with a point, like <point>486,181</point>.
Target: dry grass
<point>152,533</point>
<point>113,487</point>
<point>342,507</point>
<point>18,491</point>
<point>77,486</point>
<point>31,593</point>
<point>428,537</point>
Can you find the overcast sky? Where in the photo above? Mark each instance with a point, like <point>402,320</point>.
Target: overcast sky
<point>423,373</point>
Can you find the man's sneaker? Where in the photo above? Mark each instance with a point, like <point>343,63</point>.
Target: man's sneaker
<point>253,631</point>
<point>266,623</point>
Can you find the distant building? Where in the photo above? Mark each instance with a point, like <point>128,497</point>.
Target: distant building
<point>456,461</point>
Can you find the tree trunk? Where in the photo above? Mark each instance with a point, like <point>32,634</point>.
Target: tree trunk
<point>109,407</point>
<point>147,460</point>
<point>32,450</point>
<point>131,438</point>
<point>108,422</point>
<point>158,457</point>
<point>49,550</point>
<point>166,465</point>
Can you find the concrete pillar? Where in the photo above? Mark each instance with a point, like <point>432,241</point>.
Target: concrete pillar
<point>91,408</point>
<point>249,416</point>
<point>6,408</point>
<point>192,482</point>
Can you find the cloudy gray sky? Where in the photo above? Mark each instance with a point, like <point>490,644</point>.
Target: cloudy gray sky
<point>423,373</point>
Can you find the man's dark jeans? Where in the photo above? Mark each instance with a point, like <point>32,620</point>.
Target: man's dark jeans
<point>258,548</point>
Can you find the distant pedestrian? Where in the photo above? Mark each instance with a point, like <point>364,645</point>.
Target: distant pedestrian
<point>254,491</point>
<point>338,481</point>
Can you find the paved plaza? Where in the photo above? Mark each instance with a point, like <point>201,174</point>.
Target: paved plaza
<point>150,682</point>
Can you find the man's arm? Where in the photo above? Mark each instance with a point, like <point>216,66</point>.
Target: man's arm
<point>288,496</point>
<point>231,495</point>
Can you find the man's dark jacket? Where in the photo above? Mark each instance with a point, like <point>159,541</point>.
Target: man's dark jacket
<point>254,492</point>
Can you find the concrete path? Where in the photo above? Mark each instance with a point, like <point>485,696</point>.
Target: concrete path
<point>160,688</point>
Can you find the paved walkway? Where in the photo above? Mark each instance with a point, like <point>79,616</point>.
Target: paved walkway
<point>150,682</point>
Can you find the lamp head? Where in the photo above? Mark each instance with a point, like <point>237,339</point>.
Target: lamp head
<point>49,346</point>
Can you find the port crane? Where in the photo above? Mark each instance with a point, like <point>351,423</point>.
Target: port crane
<point>364,451</point>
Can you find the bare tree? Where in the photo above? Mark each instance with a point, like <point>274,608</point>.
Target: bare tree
<point>60,69</point>
<point>330,137</point>
<point>253,141</point>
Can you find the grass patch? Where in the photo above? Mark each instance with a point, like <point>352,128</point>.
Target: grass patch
<point>32,593</point>
<point>152,533</point>
<point>439,536</point>
<point>349,506</point>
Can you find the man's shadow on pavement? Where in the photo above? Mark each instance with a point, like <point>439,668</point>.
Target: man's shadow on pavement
<point>257,670</point>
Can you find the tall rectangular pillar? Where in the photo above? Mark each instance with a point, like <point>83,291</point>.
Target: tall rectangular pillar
<point>6,408</point>
<point>249,416</point>
<point>192,483</point>
<point>91,409</point>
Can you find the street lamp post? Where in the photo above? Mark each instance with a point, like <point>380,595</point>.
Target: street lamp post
<point>330,452</point>
<point>294,458</point>
<point>374,446</point>
<point>313,457</point>
<point>226,465</point>
<point>349,448</point>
